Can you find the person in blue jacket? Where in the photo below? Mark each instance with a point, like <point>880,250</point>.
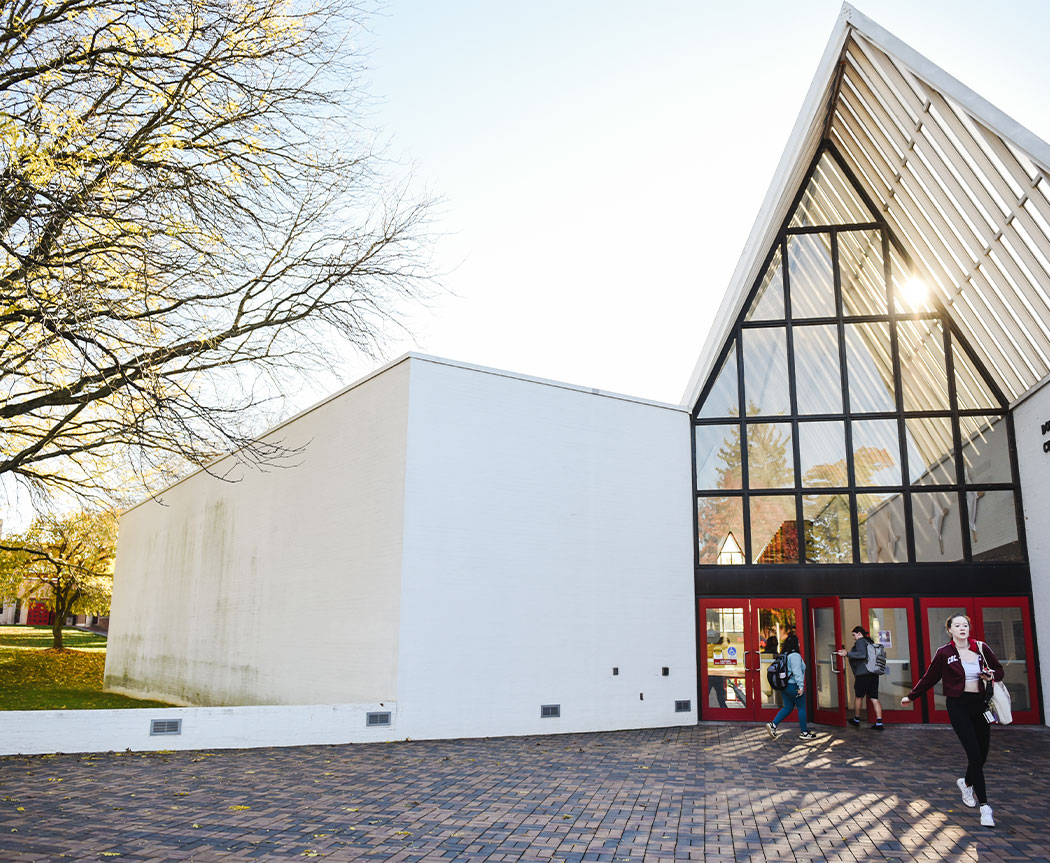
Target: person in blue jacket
<point>795,693</point>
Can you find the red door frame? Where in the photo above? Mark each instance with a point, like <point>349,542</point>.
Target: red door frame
<point>827,716</point>
<point>935,638</point>
<point>706,711</point>
<point>1021,717</point>
<point>750,661</point>
<point>972,606</point>
<point>913,713</point>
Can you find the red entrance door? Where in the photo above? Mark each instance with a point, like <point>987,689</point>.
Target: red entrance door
<point>890,622</point>
<point>739,640</point>
<point>828,675</point>
<point>1004,623</point>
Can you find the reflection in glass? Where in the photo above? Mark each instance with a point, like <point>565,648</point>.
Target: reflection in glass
<point>880,521</point>
<point>825,640</point>
<point>725,657</point>
<point>772,626</point>
<point>923,376</point>
<point>818,381</point>
<point>822,453</point>
<point>718,457</point>
<point>774,538</point>
<point>876,452</point>
<point>935,521</point>
<point>931,459</point>
<point>936,635</point>
<point>829,537</point>
<point>765,371</point>
<point>829,199</point>
<point>1004,633</point>
<point>889,627</point>
<point>768,304</point>
<point>861,273</point>
<point>770,461</point>
<point>724,398</point>
<point>809,269</point>
<point>992,522</point>
<point>971,391</point>
<point>869,366</point>
<point>717,518</point>
<point>985,449</point>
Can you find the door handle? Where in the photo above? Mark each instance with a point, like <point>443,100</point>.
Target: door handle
<point>757,653</point>
<point>834,656</point>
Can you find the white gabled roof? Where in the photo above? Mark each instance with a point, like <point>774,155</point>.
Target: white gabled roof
<point>963,186</point>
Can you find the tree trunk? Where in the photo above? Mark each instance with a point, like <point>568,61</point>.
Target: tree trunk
<point>62,605</point>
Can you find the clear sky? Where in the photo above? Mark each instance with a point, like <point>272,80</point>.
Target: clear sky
<point>601,163</point>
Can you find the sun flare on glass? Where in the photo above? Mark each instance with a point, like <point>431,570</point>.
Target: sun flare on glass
<point>915,291</point>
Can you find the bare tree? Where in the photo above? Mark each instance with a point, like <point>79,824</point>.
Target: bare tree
<point>189,202</point>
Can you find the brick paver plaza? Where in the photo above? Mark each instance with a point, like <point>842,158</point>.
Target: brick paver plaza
<point>715,792</point>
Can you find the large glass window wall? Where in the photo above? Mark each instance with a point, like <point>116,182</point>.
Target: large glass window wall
<point>847,422</point>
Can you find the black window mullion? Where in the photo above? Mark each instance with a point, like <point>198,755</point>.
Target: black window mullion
<point>898,387</point>
<point>793,403</point>
<point>960,462</point>
<point>742,410</point>
<point>851,478</point>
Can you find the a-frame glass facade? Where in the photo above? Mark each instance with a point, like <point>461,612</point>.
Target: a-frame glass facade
<point>847,422</point>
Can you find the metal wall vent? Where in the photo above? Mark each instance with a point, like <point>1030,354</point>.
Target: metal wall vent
<point>550,710</point>
<point>683,706</point>
<point>378,718</point>
<point>165,726</point>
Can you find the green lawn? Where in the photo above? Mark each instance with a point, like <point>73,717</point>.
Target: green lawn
<point>34,677</point>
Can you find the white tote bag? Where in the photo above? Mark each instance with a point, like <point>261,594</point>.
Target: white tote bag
<point>999,700</point>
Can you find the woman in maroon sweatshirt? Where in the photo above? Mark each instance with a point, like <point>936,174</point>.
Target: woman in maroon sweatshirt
<point>964,666</point>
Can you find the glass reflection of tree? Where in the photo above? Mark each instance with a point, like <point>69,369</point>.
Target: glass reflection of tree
<point>720,516</point>
<point>828,534</point>
<point>769,466</point>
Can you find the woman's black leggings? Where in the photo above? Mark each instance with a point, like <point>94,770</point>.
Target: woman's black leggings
<point>967,716</point>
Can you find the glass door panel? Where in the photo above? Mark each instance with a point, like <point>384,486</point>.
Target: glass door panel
<point>890,623</point>
<point>828,678</point>
<point>773,620</point>
<point>723,682</point>
<point>1004,624</point>
<point>733,682</point>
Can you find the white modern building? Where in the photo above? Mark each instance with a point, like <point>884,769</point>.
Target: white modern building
<point>468,551</point>
<point>866,439</point>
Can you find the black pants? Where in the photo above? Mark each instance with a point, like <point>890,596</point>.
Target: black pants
<point>967,716</point>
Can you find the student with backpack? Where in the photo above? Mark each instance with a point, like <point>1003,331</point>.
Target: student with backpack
<point>794,692</point>
<point>864,658</point>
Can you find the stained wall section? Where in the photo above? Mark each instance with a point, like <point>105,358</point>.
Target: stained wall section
<point>282,587</point>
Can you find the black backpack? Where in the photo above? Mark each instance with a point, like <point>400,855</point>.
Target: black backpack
<point>777,673</point>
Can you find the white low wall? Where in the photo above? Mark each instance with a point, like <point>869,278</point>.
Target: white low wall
<point>37,732</point>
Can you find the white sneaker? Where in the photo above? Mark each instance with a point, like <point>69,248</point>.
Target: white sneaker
<point>967,792</point>
<point>986,816</point>
<point>772,729</point>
